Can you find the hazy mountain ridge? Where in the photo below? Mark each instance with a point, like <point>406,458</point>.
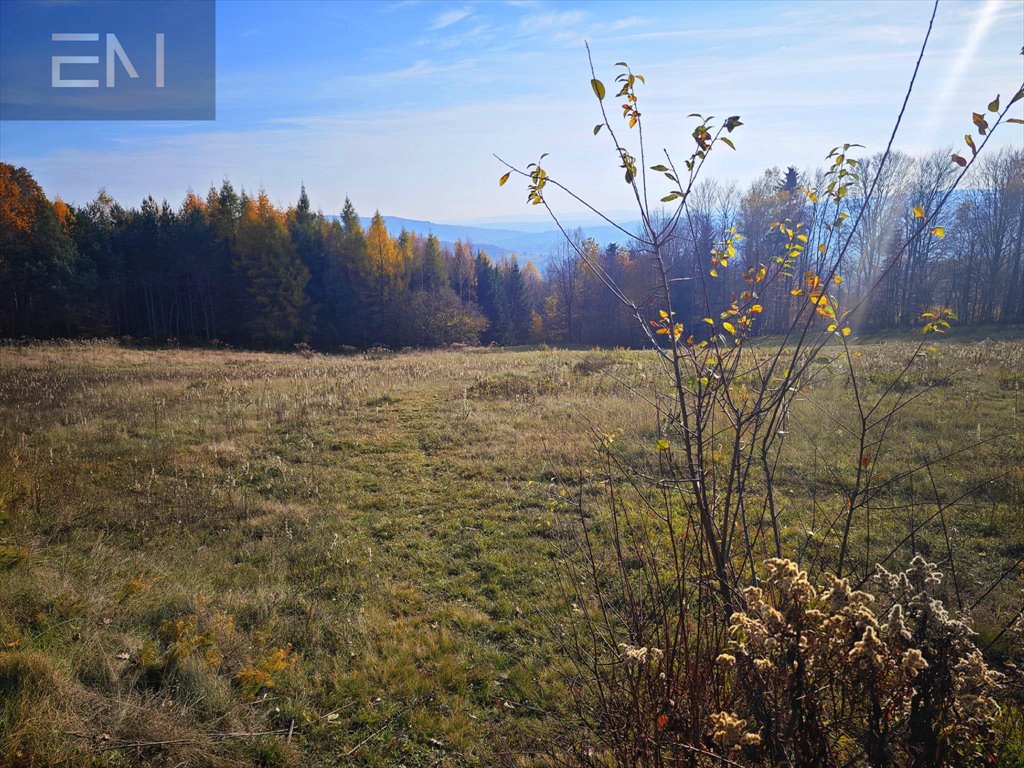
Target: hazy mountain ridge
<point>534,240</point>
<point>535,246</point>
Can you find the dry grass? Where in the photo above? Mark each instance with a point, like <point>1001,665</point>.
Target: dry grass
<point>227,558</point>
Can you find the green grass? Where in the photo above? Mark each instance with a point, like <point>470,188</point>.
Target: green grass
<point>228,558</point>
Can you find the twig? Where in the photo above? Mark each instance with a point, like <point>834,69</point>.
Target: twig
<point>387,724</point>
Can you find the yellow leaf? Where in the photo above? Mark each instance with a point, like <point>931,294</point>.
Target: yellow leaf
<point>832,327</point>
<point>663,445</point>
<point>837,279</point>
<point>939,232</point>
<point>663,314</point>
<point>709,321</point>
<point>503,179</point>
<point>847,331</point>
<point>918,212</point>
<point>757,309</point>
<point>729,327</point>
<point>796,292</point>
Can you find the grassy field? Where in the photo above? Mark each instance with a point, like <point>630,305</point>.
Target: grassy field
<point>231,558</point>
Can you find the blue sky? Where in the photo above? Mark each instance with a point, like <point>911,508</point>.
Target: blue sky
<point>400,105</point>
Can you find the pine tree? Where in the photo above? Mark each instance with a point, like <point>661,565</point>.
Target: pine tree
<point>490,297</point>
<point>272,274</point>
<point>517,303</point>
<point>433,275</point>
<point>307,234</point>
<point>385,275</point>
<point>37,259</point>
<point>200,273</point>
<point>224,209</point>
<point>350,270</point>
<point>791,181</point>
<point>96,233</point>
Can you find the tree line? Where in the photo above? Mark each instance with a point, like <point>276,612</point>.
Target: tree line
<point>973,263</point>
<point>234,268</point>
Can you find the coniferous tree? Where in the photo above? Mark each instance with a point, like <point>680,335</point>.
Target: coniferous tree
<point>37,259</point>
<point>272,275</point>
<point>791,180</point>
<point>236,268</point>
<point>199,276</point>
<point>433,276</point>
<point>95,233</point>
<point>307,229</point>
<point>224,209</point>
<point>382,282</point>
<point>517,303</point>
<point>490,297</point>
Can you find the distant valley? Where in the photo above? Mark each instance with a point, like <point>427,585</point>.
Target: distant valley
<point>524,238</point>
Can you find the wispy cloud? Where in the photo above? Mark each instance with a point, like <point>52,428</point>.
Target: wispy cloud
<point>632,21</point>
<point>476,34</point>
<point>400,4</point>
<point>448,18</point>
<point>543,22</point>
<point>355,96</point>
<point>424,68</point>
<point>421,69</point>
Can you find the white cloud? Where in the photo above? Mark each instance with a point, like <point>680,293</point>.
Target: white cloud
<point>414,137</point>
<point>542,22</point>
<point>632,21</point>
<point>448,18</point>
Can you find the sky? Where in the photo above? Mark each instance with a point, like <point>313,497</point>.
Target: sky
<point>402,106</point>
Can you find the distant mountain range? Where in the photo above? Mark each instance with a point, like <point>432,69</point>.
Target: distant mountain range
<point>527,239</point>
<point>536,239</point>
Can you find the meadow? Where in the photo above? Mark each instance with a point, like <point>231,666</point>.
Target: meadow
<point>214,557</point>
